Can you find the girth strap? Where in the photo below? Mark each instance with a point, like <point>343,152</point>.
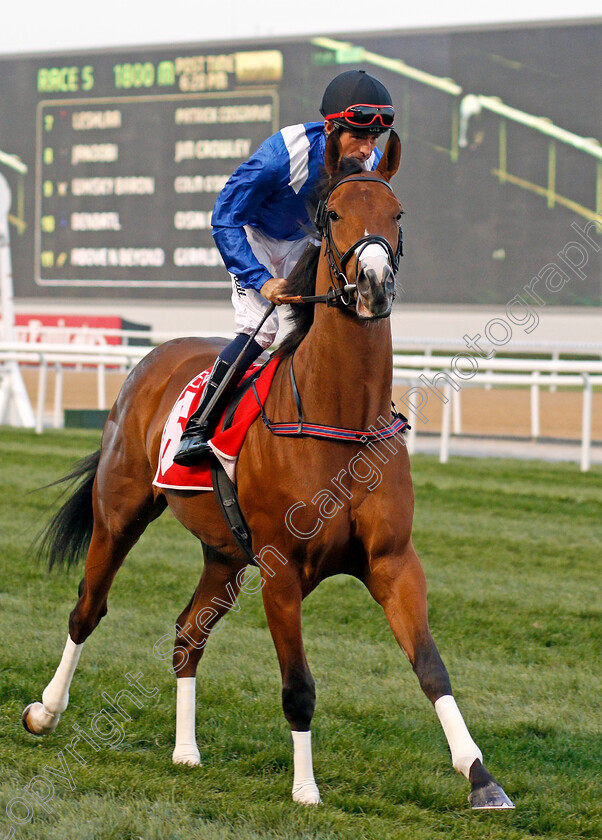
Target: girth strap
<point>318,430</point>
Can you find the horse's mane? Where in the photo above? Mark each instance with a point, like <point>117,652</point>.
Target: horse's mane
<point>302,279</point>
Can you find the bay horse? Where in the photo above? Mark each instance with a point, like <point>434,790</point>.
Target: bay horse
<point>315,507</point>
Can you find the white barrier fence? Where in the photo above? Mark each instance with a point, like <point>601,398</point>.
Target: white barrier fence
<point>442,377</point>
<point>59,357</point>
<point>426,374</point>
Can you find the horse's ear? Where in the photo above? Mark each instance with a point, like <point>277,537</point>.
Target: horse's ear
<point>333,153</point>
<point>389,162</point>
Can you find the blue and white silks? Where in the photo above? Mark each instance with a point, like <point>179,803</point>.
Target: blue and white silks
<point>269,192</point>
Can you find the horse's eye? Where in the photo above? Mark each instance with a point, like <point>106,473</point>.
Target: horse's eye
<point>333,216</point>
<point>398,216</point>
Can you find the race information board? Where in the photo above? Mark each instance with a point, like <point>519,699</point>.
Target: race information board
<point>125,184</point>
<point>125,153</point>
<point>121,203</point>
<point>115,158</point>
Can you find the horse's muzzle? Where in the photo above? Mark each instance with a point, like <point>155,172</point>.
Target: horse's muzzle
<point>375,291</point>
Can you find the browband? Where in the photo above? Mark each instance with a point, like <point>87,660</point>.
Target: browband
<point>320,220</point>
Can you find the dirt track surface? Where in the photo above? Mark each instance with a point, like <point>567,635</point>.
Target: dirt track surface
<point>505,411</point>
<point>499,411</point>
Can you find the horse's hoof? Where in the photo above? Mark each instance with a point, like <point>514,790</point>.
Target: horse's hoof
<point>37,721</point>
<point>186,755</point>
<point>307,794</point>
<point>489,797</point>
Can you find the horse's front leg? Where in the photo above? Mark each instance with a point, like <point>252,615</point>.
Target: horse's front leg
<point>398,584</point>
<point>215,595</point>
<point>282,600</point>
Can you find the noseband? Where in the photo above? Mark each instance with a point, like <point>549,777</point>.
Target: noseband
<point>341,293</point>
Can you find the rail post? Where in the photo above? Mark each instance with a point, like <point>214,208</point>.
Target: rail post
<point>102,387</point>
<point>535,426</point>
<point>586,424</point>
<point>457,409</point>
<point>58,396</point>
<point>445,425</point>
<point>42,378</point>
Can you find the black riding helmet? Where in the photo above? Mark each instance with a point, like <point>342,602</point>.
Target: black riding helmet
<point>357,101</point>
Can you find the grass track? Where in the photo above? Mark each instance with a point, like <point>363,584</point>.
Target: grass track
<point>512,555</point>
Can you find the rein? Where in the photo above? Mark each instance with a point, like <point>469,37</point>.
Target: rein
<point>341,292</point>
<point>333,297</point>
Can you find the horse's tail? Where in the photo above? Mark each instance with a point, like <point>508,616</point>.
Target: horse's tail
<point>66,538</point>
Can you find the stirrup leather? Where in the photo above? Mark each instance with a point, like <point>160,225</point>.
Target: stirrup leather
<point>194,443</point>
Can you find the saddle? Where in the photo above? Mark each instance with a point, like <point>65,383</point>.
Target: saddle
<point>228,437</point>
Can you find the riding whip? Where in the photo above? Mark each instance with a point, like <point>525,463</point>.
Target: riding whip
<point>224,383</point>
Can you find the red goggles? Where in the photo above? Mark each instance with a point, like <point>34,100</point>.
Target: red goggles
<point>366,115</point>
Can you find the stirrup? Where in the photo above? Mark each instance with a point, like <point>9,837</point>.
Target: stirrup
<point>191,450</point>
<point>194,443</point>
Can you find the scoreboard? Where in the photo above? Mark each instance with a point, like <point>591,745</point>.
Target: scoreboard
<point>126,153</point>
<point>126,183</point>
<point>126,186</point>
<point>127,149</point>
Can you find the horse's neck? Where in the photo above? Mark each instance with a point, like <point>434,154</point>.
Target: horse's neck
<point>343,370</point>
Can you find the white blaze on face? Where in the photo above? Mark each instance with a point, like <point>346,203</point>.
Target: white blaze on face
<point>373,256</point>
<point>374,280</point>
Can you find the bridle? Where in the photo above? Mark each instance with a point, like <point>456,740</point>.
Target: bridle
<point>341,292</point>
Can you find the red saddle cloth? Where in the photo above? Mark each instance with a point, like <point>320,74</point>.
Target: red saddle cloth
<point>226,444</point>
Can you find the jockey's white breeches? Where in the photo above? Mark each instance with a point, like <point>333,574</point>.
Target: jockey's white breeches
<point>279,257</point>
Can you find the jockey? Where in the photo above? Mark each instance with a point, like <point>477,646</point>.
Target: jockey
<point>261,226</point>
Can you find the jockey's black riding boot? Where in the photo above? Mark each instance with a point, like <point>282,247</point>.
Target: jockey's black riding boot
<point>194,444</point>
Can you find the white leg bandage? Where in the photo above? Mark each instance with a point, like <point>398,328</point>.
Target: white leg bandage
<point>186,750</point>
<point>464,751</point>
<point>305,789</point>
<point>42,718</point>
<point>56,694</point>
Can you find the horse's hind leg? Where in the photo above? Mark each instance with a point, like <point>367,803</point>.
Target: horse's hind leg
<point>399,586</point>
<point>216,593</point>
<point>119,520</point>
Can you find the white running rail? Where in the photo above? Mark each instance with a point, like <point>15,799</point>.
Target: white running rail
<point>425,374</point>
